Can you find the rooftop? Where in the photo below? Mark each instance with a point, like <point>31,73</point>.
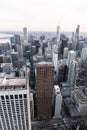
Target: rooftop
<point>81,95</point>
<point>45,64</point>
<point>6,83</point>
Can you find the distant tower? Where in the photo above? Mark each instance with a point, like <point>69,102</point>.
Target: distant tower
<point>72,73</point>
<point>20,51</point>
<point>55,49</point>
<point>58,36</point>
<point>17,39</point>
<point>44,89</point>
<point>25,34</point>
<point>84,54</point>
<point>77,32</point>
<point>73,42</point>
<point>77,36</point>
<point>71,56</point>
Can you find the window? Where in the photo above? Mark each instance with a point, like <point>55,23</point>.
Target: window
<point>2,97</point>
<point>11,96</point>
<point>16,96</point>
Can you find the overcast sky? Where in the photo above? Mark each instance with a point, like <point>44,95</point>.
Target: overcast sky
<point>43,15</point>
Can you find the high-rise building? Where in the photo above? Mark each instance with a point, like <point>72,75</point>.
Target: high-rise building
<point>55,49</point>
<point>44,89</point>
<point>71,56</point>
<point>11,39</point>
<point>64,43</point>
<point>58,101</point>
<point>25,34</point>
<point>20,51</point>
<point>84,54</point>
<point>62,74</point>
<point>65,52</point>
<point>17,39</point>
<point>14,56</point>
<point>6,48</point>
<point>14,104</point>
<point>77,32</point>
<point>58,36</point>
<point>77,36</point>
<point>72,73</point>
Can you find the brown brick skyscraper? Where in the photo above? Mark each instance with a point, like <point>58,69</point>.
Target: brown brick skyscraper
<point>44,89</point>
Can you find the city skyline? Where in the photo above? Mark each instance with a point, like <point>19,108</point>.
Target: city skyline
<point>42,15</point>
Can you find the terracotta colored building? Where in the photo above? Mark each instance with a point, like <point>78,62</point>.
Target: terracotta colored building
<point>44,89</point>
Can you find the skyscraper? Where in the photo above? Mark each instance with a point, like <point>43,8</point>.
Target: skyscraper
<point>17,39</point>
<point>55,49</point>
<point>58,101</point>
<point>72,73</point>
<point>58,36</point>
<point>20,51</point>
<point>71,56</point>
<point>77,32</point>
<point>14,104</point>
<point>77,36</point>
<point>84,54</point>
<point>44,89</point>
<point>65,52</point>
<point>25,34</point>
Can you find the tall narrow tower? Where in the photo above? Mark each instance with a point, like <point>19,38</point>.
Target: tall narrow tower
<point>25,33</point>
<point>58,36</point>
<point>44,89</point>
<point>55,49</point>
<point>77,32</point>
<point>71,56</point>
<point>77,36</point>
<point>72,73</point>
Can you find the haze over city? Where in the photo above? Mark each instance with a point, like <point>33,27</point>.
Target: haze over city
<point>43,15</point>
<point>43,65</point>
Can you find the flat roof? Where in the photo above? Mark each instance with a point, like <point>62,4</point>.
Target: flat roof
<point>81,95</point>
<point>43,63</point>
<point>14,81</point>
<point>65,84</point>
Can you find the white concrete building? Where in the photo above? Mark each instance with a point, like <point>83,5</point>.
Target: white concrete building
<point>14,104</point>
<point>72,73</point>
<point>58,101</point>
<point>71,56</point>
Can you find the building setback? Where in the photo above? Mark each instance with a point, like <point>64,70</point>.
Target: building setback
<point>44,89</point>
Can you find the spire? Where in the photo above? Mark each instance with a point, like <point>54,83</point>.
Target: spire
<point>58,36</point>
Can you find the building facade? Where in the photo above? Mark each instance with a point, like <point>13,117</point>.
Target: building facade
<point>84,54</point>
<point>71,56</point>
<point>14,104</point>
<point>72,75</point>
<point>58,101</point>
<point>44,89</point>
